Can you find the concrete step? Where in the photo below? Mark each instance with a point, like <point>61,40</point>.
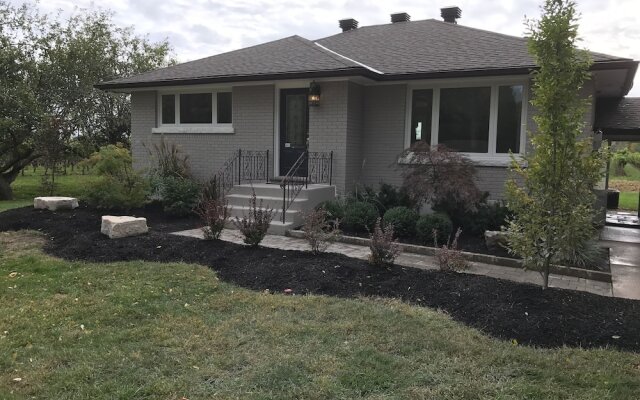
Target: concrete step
<point>267,201</point>
<point>320,192</point>
<point>239,199</point>
<point>294,216</point>
<point>276,227</point>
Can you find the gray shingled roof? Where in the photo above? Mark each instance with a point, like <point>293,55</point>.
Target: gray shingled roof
<point>285,56</point>
<point>432,46</point>
<point>425,48</point>
<point>618,115</point>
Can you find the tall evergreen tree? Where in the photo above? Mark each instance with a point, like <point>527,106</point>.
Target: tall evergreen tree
<point>554,200</point>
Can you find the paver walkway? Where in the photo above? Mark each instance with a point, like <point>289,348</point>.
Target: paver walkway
<point>423,262</point>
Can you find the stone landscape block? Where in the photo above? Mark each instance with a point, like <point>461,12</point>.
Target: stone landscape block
<point>55,203</point>
<point>119,227</point>
<point>495,240</point>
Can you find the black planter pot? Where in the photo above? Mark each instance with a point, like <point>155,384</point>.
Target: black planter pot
<point>613,199</point>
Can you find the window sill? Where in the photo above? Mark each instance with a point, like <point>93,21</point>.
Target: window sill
<point>478,159</point>
<point>194,129</point>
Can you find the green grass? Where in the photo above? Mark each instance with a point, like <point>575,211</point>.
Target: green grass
<point>26,187</point>
<point>137,330</point>
<point>628,201</point>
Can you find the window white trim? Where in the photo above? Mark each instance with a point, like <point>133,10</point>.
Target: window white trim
<point>178,127</point>
<point>491,158</point>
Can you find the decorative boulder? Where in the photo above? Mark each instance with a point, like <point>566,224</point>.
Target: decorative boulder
<point>495,240</point>
<point>120,227</point>
<point>55,203</point>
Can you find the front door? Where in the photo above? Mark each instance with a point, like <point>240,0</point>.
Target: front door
<point>294,128</point>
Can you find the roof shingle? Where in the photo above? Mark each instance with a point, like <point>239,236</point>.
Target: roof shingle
<point>390,51</point>
<point>619,114</point>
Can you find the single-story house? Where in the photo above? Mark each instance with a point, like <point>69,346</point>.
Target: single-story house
<point>358,98</point>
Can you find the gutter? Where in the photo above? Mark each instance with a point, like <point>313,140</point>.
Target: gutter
<point>368,72</point>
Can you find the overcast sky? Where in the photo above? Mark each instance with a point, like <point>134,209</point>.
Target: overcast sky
<point>200,28</point>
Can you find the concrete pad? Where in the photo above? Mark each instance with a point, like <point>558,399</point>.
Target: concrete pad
<point>55,203</point>
<point>122,226</point>
<point>626,281</point>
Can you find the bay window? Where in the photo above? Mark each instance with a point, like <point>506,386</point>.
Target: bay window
<point>197,112</point>
<point>485,121</point>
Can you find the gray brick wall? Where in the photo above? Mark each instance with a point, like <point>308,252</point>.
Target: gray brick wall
<point>383,141</point>
<point>383,133</point>
<point>363,125</point>
<point>252,121</point>
<point>354,136</point>
<point>328,128</point>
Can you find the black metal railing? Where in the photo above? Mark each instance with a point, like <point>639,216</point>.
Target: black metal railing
<point>319,170</point>
<point>320,167</point>
<point>292,184</point>
<point>243,166</point>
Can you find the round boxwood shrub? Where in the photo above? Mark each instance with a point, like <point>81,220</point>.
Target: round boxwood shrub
<point>359,216</point>
<point>403,220</point>
<point>334,209</point>
<point>438,221</point>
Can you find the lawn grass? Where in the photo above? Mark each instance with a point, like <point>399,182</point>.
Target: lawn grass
<point>628,201</point>
<point>29,185</point>
<point>138,330</point>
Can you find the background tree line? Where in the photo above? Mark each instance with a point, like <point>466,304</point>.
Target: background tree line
<point>50,112</point>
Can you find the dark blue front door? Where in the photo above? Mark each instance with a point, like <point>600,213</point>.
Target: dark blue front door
<point>294,128</point>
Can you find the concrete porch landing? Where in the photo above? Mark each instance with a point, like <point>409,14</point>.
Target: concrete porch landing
<point>625,260</point>
<point>425,262</point>
<point>271,196</point>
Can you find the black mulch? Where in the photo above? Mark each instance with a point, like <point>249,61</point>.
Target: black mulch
<point>500,308</point>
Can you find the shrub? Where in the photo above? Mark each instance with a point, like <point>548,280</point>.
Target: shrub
<point>111,193</point>
<point>254,226</point>
<point>390,196</point>
<point>334,209</point>
<point>403,220</point>
<point>214,213</point>
<point>119,186</point>
<point>429,223</point>
<point>170,160</point>
<point>484,216</point>
<point>318,231</point>
<point>359,216</point>
<point>448,256</point>
<point>384,249</point>
<point>437,174</point>
<point>179,196</point>
<point>386,198</point>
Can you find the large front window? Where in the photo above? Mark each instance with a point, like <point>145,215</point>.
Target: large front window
<point>484,120</point>
<point>206,109</point>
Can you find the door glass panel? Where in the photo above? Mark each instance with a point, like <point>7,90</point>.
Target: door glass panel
<point>464,119</point>
<point>296,120</point>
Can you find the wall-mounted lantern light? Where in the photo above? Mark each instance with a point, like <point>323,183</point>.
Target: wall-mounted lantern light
<point>314,94</point>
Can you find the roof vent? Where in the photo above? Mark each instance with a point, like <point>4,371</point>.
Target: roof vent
<point>348,24</point>
<point>451,14</point>
<point>400,17</point>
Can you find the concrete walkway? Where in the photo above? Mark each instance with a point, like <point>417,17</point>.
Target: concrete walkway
<point>425,262</point>
<point>625,260</point>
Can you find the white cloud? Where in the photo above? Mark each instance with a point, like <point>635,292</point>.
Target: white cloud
<point>200,28</point>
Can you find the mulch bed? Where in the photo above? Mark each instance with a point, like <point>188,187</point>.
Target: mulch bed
<point>500,308</point>
<point>469,243</point>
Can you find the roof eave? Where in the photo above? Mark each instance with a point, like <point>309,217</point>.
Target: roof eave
<point>237,78</point>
